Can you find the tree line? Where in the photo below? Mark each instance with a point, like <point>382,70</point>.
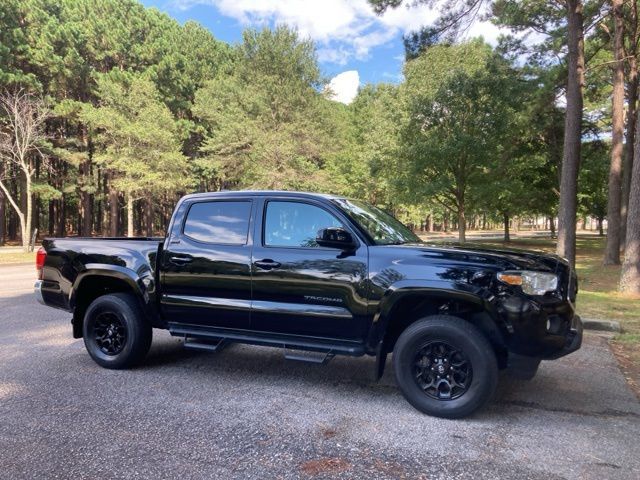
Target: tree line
<point>110,111</point>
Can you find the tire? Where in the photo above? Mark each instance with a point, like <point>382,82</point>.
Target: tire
<point>115,332</point>
<point>457,351</point>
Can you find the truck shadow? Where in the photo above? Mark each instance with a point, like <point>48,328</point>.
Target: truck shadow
<point>240,365</point>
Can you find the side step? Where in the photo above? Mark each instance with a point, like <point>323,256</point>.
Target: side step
<point>206,338</point>
<point>209,346</point>
<point>321,358</point>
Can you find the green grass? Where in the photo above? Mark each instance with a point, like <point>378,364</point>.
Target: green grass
<point>17,257</point>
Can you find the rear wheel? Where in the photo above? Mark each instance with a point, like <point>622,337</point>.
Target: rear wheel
<point>115,331</point>
<point>445,367</point>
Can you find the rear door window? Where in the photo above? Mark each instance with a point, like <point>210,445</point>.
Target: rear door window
<point>225,222</point>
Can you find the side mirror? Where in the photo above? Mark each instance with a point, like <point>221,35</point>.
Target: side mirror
<point>335,237</point>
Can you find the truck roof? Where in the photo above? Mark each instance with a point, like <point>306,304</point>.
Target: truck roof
<point>262,193</point>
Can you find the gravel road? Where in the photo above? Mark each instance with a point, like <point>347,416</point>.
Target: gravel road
<point>246,412</point>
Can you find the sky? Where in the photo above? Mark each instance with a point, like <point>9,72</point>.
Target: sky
<point>354,46</point>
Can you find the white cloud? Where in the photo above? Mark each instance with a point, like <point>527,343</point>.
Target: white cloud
<point>487,30</point>
<point>339,55</point>
<point>344,86</point>
<point>343,29</point>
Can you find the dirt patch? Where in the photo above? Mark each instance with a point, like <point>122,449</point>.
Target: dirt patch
<point>328,432</point>
<point>324,465</point>
<point>628,355</point>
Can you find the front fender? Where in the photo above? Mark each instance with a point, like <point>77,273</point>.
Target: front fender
<point>440,289</point>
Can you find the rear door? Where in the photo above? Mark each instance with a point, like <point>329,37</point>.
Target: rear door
<point>299,287</point>
<point>206,264</point>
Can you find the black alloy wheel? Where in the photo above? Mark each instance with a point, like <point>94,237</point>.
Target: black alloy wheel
<point>442,371</point>
<point>110,333</point>
<point>116,332</point>
<point>445,366</point>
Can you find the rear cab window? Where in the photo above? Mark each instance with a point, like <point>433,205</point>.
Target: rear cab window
<point>219,222</point>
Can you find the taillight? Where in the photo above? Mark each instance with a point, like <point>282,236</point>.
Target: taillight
<point>40,258</point>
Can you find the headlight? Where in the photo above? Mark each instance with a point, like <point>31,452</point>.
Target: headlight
<point>532,283</point>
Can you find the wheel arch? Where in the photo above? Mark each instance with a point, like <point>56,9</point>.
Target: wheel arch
<point>404,305</point>
<point>99,280</point>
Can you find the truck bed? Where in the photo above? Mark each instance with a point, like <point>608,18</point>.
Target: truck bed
<point>68,259</point>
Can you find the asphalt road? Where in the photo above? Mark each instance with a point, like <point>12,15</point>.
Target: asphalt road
<point>246,412</point>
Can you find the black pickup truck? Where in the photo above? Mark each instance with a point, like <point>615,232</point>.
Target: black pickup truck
<point>318,275</point>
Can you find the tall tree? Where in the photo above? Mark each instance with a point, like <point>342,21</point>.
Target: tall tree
<point>265,123</point>
<point>22,138</point>
<point>137,138</point>
<point>631,53</point>
<point>612,249</point>
<point>453,15</point>
<point>566,246</point>
<point>367,166</point>
<point>460,105</point>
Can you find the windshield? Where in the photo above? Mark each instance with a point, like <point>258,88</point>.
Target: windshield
<point>381,227</point>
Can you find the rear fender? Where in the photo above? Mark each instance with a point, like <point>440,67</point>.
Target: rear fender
<point>142,286</point>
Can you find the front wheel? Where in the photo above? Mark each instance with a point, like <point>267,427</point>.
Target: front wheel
<point>445,367</point>
<point>115,331</point>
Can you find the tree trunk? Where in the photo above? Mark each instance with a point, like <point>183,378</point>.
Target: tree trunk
<point>630,274</point>
<point>507,235</point>
<point>462,225</point>
<point>29,217</point>
<point>601,226</point>
<point>106,226</point>
<point>552,226</point>
<point>429,223</point>
<point>445,222</point>
<point>148,216</point>
<point>23,234</point>
<point>612,249</point>
<point>113,210</point>
<point>86,223</point>
<point>2,219</point>
<point>572,134</point>
<point>139,218</point>
<point>129,215</point>
<point>632,99</point>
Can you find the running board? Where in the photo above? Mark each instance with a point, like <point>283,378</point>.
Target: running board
<point>321,358</point>
<point>203,335</point>
<point>204,345</point>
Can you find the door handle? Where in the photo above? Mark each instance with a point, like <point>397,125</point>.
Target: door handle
<point>180,260</point>
<point>267,264</point>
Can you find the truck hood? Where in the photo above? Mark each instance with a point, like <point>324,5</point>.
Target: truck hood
<point>479,257</point>
<point>457,264</point>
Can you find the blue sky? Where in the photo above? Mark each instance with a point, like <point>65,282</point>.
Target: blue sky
<point>349,36</point>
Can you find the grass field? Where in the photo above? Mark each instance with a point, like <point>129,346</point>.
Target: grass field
<point>17,257</point>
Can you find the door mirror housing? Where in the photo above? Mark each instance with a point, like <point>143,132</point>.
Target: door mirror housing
<point>335,237</point>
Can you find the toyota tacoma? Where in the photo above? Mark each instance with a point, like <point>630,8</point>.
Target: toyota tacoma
<point>318,276</point>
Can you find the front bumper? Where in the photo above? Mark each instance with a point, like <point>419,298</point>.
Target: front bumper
<point>573,339</point>
<point>524,367</point>
<point>37,290</point>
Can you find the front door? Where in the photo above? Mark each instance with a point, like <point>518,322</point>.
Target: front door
<point>206,265</point>
<point>299,287</point>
